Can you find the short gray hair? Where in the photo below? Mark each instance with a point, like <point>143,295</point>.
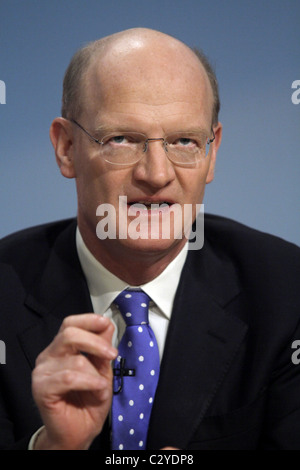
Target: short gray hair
<point>73,79</point>
<point>213,83</point>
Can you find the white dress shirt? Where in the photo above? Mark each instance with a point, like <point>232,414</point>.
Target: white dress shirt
<point>104,287</point>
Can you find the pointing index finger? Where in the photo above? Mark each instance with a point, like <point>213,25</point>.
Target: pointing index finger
<point>86,321</point>
<point>83,333</point>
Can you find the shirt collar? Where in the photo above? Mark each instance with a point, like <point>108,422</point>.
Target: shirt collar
<point>105,286</point>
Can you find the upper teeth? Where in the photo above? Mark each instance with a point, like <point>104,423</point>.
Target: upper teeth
<point>150,203</point>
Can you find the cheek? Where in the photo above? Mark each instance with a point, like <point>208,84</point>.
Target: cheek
<point>193,184</point>
<point>101,185</point>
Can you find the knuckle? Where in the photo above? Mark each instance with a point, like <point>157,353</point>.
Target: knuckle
<point>69,334</point>
<point>80,362</point>
<point>67,321</point>
<point>68,377</point>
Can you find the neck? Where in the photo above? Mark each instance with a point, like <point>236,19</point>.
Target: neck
<point>134,264</point>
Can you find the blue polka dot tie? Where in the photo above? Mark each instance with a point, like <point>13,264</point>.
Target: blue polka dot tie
<point>136,372</point>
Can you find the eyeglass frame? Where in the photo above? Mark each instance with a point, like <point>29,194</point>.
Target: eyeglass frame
<point>150,139</point>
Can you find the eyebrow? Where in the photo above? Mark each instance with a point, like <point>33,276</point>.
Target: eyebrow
<point>104,129</point>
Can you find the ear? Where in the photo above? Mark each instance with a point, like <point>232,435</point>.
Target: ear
<point>213,152</point>
<point>62,140</point>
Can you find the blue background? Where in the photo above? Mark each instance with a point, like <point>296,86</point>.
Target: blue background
<point>254,46</point>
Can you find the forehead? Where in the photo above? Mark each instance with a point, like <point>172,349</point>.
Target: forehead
<point>153,79</point>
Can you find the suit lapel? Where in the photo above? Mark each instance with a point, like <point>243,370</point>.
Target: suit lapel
<point>201,344</point>
<point>60,291</point>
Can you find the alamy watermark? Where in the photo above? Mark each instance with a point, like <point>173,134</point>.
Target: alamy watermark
<point>152,222</point>
<point>296,354</point>
<point>2,92</point>
<point>296,95</point>
<point>2,352</point>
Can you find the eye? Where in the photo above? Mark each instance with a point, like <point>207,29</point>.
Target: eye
<point>117,139</point>
<point>122,140</point>
<point>184,143</point>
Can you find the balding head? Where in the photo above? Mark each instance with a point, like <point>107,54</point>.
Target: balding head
<point>139,51</point>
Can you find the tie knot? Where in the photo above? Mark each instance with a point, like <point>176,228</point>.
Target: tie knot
<point>133,306</point>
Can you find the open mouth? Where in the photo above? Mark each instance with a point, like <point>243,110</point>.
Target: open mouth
<point>150,205</point>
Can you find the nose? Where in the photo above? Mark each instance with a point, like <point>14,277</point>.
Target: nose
<point>154,168</point>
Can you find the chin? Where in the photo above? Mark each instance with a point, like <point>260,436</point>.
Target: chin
<point>152,246</point>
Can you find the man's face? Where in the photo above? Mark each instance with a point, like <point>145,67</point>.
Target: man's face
<point>158,98</point>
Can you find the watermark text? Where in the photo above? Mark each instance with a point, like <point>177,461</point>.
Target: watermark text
<point>296,354</point>
<point>296,95</point>
<point>2,92</point>
<point>151,222</point>
<point>2,352</point>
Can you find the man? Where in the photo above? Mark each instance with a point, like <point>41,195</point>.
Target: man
<point>224,317</point>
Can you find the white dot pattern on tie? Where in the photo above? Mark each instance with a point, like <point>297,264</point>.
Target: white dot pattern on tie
<point>131,408</point>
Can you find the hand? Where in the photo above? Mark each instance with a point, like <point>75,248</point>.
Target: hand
<point>73,391</point>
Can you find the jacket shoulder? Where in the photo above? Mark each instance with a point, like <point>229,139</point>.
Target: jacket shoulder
<point>25,249</point>
<point>256,256</point>
<point>233,234</point>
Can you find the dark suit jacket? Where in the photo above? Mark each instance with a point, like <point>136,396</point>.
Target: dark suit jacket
<point>227,380</point>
